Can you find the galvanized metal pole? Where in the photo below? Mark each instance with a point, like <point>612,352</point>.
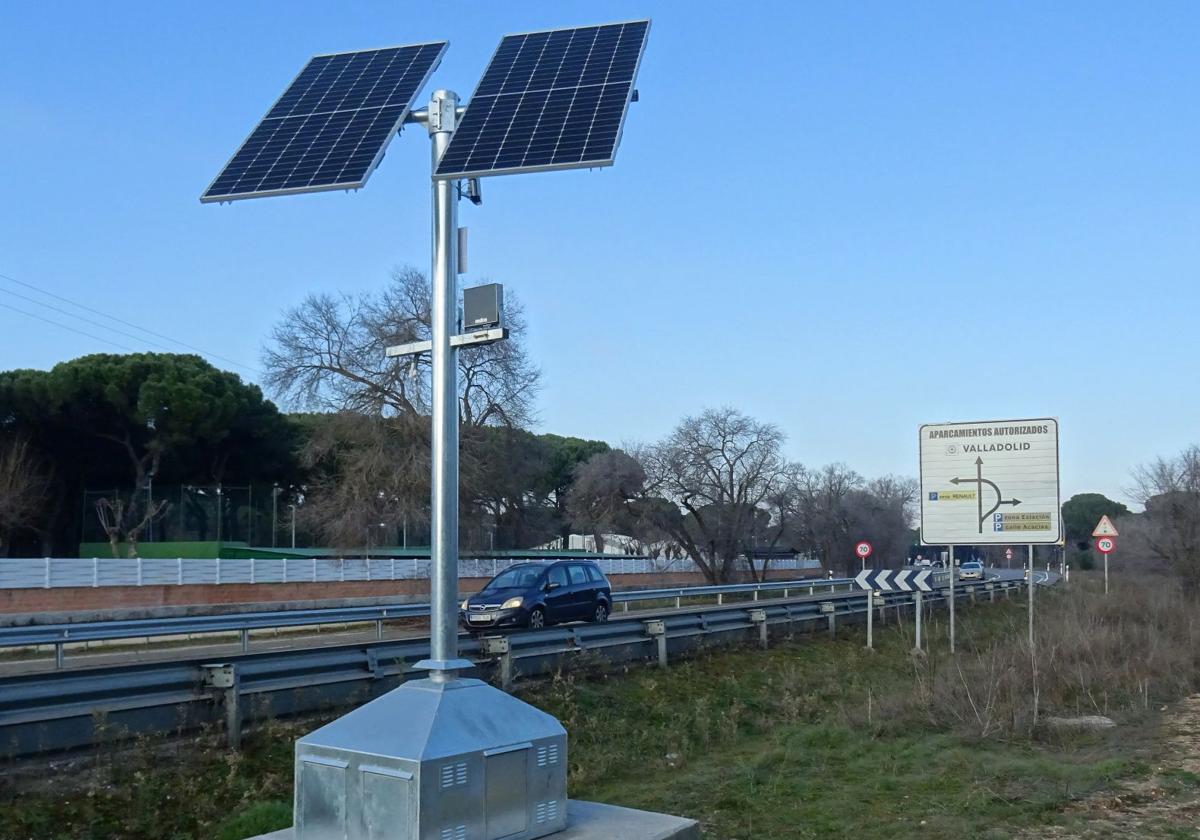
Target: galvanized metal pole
<point>1031,597</point>
<point>1106,573</point>
<point>953,575</point>
<point>443,662</point>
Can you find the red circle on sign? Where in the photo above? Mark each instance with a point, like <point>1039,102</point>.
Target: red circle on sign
<point>1106,545</point>
<point>863,549</point>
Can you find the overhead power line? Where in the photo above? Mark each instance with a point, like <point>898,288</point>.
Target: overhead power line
<point>85,320</point>
<point>93,311</point>
<point>66,327</point>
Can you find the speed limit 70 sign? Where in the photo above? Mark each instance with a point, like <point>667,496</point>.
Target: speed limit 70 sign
<point>863,549</point>
<point>1106,545</point>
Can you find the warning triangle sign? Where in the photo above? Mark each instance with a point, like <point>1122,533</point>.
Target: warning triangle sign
<point>1105,528</point>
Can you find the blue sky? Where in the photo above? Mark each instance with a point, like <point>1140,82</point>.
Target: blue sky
<point>846,218</point>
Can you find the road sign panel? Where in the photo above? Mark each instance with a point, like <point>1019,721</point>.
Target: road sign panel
<point>1106,545</point>
<point>1008,555</point>
<point>863,549</point>
<point>1105,528</point>
<point>890,580</point>
<point>984,482</point>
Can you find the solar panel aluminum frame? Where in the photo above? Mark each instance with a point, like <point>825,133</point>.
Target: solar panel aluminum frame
<point>344,185</point>
<point>553,167</point>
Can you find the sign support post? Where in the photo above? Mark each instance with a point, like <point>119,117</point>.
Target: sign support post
<point>1106,546</point>
<point>953,575</point>
<point>1031,597</point>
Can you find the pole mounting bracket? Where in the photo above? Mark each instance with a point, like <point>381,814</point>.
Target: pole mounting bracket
<point>413,348</point>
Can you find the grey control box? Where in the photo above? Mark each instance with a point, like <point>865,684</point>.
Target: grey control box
<point>483,306</point>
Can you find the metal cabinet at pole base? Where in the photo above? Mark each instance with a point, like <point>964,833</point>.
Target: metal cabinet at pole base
<point>456,760</point>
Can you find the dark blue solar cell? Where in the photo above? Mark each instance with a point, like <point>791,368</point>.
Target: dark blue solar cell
<point>330,127</point>
<point>548,100</point>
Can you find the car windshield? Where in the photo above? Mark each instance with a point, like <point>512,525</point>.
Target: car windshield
<point>519,577</point>
<point>972,565</point>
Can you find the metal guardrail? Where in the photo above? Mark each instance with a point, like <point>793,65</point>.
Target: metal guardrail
<point>61,710</point>
<point>60,635</point>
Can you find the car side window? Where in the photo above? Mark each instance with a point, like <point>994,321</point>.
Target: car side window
<point>558,575</point>
<point>578,575</point>
<point>595,574</point>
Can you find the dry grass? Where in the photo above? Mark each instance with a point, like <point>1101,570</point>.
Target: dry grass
<point>1114,655</point>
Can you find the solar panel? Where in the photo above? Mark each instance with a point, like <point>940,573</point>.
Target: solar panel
<point>329,129</point>
<point>548,100</point>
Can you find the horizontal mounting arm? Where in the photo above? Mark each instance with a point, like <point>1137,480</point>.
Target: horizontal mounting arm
<point>490,336</point>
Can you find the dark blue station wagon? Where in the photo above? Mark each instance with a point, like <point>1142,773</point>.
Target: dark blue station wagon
<point>535,595</point>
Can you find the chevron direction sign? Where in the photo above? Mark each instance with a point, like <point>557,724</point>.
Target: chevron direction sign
<point>891,580</point>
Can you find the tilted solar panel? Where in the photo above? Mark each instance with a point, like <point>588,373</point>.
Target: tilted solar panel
<point>548,100</point>
<point>329,129</point>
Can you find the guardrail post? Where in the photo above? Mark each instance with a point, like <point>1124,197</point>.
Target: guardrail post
<point>991,591</point>
<point>499,646</point>
<point>379,628</point>
<point>971,592</point>
<point>759,617</point>
<point>810,590</point>
<point>218,570</point>
<point>95,572</point>
<point>314,568</point>
<point>179,571</point>
<point>657,630</point>
<point>756,593</point>
<point>225,679</point>
<point>46,582</point>
<point>830,610</point>
<point>624,606</point>
<point>244,635</point>
<point>1067,573</point>
<point>253,576</point>
<point>785,592</point>
<point>720,598</point>
<point>60,656</point>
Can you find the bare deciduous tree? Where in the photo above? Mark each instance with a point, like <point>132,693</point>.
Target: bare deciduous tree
<point>1170,490</point>
<point>125,522</point>
<point>328,353</point>
<point>827,511</point>
<point>24,486</point>
<point>713,474</point>
<point>368,472</point>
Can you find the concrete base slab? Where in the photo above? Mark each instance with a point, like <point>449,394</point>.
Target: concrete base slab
<point>596,821</point>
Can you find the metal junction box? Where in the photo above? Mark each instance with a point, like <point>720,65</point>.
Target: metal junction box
<point>483,306</point>
<point>456,760</point>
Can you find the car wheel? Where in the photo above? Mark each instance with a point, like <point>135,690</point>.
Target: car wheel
<point>601,614</point>
<point>537,618</point>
